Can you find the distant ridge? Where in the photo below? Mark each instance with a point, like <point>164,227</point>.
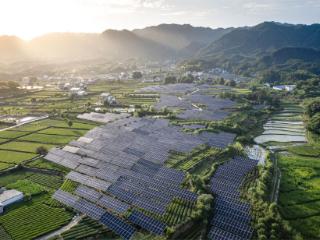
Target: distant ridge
<point>165,41</point>
<point>265,37</point>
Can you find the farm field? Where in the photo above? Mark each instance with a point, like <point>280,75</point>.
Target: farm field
<point>300,191</point>
<point>33,217</point>
<point>299,163</point>
<point>20,144</point>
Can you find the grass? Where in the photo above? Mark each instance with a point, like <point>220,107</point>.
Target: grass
<point>29,222</point>
<point>44,164</point>
<point>25,146</point>
<point>300,190</point>
<point>64,131</point>
<point>88,228</point>
<point>46,180</point>
<point>305,150</point>
<point>12,134</point>
<point>12,157</point>
<point>32,217</point>
<point>4,166</point>
<point>27,187</point>
<point>48,139</point>
<point>6,179</point>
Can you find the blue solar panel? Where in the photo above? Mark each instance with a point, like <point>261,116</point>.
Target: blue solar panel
<point>113,204</point>
<point>147,223</point>
<point>231,218</point>
<point>117,225</point>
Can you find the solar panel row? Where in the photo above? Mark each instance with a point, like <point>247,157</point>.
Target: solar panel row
<point>147,223</point>
<point>231,218</point>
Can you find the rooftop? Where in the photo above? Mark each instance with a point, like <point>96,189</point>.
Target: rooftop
<point>8,194</point>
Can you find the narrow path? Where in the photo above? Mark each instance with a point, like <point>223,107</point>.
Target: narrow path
<point>65,228</point>
<point>276,181</point>
<point>18,125</point>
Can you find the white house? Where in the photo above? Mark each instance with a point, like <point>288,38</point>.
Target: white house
<point>8,197</point>
<point>288,88</point>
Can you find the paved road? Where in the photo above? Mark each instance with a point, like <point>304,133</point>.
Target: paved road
<point>67,227</point>
<point>18,125</point>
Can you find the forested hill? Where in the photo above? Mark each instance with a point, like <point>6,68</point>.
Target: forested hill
<point>165,41</point>
<point>284,55</point>
<point>265,37</point>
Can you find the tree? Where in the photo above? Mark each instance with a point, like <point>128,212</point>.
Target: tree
<point>221,81</point>
<point>313,108</point>
<point>314,123</point>
<point>70,123</point>
<point>42,150</point>
<point>12,85</point>
<point>271,77</point>
<point>231,83</point>
<point>187,79</point>
<point>170,79</point>
<point>136,75</point>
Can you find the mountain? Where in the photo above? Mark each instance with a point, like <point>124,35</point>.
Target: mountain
<point>11,47</point>
<point>162,42</point>
<point>181,37</point>
<point>265,37</point>
<point>74,46</point>
<point>284,55</point>
<point>127,44</point>
<point>156,42</point>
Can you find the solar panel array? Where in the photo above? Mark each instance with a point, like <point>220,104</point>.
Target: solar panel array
<point>170,88</point>
<point>200,114</point>
<point>117,225</point>
<point>231,219</point>
<point>120,166</point>
<point>191,96</point>
<point>147,223</point>
<point>102,118</point>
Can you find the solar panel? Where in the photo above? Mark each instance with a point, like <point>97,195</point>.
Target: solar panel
<point>146,222</point>
<point>231,218</point>
<point>117,225</point>
<point>65,198</point>
<point>113,204</point>
<point>87,193</point>
<point>89,209</point>
<point>219,234</point>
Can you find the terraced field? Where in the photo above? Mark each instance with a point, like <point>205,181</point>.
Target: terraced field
<point>299,163</point>
<point>32,217</point>
<point>300,189</point>
<point>20,144</point>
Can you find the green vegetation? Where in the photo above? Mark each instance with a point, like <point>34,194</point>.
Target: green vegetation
<point>88,228</point>
<point>29,222</point>
<point>12,157</point>
<point>299,189</point>
<point>266,217</point>
<point>25,146</point>
<point>33,217</point>
<point>27,187</point>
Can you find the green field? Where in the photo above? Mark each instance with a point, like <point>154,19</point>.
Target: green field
<point>29,222</point>
<point>12,157</point>
<point>25,146</point>
<point>299,197</point>
<point>33,217</point>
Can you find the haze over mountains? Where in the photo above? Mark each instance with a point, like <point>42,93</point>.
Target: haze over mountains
<point>163,42</point>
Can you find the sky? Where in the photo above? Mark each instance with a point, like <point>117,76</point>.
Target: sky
<point>31,18</point>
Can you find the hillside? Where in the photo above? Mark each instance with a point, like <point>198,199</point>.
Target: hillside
<point>184,38</point>
<point>265,37</point>
<point>284,55</point>
<point>157,42</point>
<point>11,47</point>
